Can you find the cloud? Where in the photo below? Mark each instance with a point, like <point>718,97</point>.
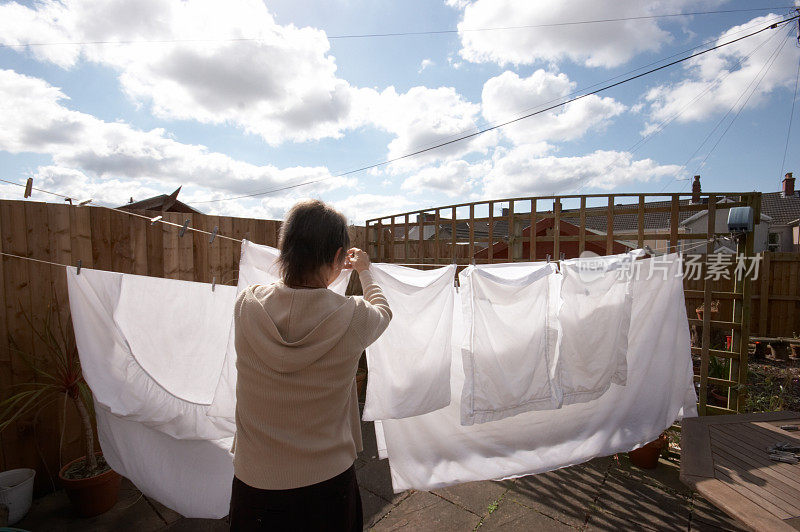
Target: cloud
<point>361,207</point>
<point>423,117</point>
<point>738,63</point>
<point>506,96</point>
<point>453,178</point>
<point>596,45</point>
<point>425,63</point>
<point>522,171</point>
<point>112,161</point>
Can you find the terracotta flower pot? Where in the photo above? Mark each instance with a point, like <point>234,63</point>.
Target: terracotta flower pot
<point>646,456</point>
<point>795,352</point>
<point>94,495</point>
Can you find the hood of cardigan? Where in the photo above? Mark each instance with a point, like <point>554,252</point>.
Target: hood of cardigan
<point>292,328</point>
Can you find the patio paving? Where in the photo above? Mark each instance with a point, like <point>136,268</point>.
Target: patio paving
<point>603,494</point>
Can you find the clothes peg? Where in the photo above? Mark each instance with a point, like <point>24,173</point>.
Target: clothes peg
<point>548,259</point>
<point>648,250</point>
<point>562,256</point>
<point>28,187</point>
<point>155,219</point>
<point>69,200</point>
<point>183,229</point>
<point>213,234</point>
<point>79,266</point>
<point>213,283</point>
<point>84,202</point>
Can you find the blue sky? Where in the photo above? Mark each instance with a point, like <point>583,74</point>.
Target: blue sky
<point>225,118</point>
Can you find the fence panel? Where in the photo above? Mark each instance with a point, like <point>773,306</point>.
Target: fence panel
<point>107,240</point>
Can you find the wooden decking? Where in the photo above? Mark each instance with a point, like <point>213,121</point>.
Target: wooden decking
<point>725,458</point>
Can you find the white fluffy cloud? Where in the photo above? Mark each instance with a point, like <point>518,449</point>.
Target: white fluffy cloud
<point>453,178</point>
<point>738,69</point>
<point>506,96</point>
<point>112,160</point>
<point>523,171</point>
<point>597,45</point>
<point>423,117</point>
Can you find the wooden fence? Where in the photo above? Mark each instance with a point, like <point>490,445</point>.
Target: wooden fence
<point>102,239</point>
<point>605,224</point>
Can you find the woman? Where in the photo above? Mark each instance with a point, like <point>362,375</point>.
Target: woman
<point>298,345</point>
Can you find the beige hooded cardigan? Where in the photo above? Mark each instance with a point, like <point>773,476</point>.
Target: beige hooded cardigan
<point>297,418</point>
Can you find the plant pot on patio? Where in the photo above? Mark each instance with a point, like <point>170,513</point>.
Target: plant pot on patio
<point>16,493</point>
<point>361,382</point>
<point>779,351</point>
<point>93,494</point>
<point>646,456</point>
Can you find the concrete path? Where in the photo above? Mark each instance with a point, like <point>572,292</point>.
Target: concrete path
<point>604,494</point>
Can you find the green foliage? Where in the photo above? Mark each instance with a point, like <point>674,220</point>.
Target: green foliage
<point>56,371</point>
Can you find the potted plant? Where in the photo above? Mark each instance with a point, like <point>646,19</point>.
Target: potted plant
<point>92,486</point>
<point>795,347</point>
<point>647,455</point>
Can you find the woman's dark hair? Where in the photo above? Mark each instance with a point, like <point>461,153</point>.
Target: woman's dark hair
<point>309,239</point>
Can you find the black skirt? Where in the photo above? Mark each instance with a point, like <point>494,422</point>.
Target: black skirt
<point>333,504</point>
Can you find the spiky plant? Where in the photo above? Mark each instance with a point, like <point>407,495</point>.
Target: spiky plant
<point>56,371</point>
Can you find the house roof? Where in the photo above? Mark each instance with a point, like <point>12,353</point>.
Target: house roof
<point>161,203</point>
<point>782,210</point>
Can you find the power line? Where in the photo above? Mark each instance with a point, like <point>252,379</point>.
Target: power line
<point>733,106</point>
<point>405,33</point>
<point>791,116</point>
<point>497,126</point>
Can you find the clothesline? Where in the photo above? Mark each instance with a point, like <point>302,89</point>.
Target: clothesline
<point>158,219</point>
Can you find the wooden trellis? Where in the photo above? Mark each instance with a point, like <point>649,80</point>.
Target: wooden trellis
<point>555,227</point>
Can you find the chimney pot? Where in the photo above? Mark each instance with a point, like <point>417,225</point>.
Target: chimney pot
<point>788,185</point>
<point>696,189</point>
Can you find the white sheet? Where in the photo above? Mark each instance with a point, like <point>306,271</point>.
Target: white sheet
<point>123,352</point>
<point>257,265</point>
<point>435,450</point>
<point>593,319</point>
<point>508,343</point>
<point>192,477</point>
<point>409,365</point>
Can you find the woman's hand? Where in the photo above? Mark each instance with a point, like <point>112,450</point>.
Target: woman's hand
<point>358,259</point>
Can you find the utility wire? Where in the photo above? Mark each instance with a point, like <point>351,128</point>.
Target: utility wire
<point>599,83</point>
<point>791,117</point>
<point>497,126</point>
<point>733,106</point>
<point>407,33</point>
<point>744,104</point>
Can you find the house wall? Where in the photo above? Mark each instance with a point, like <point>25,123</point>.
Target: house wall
<point>700,225</point>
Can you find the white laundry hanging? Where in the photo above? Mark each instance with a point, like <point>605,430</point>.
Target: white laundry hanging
<point>155,354</point>
<point>593,319</point>
<point>435,450</point>
<point>509,341</point>
<point>151,350</point>
<point>257,265</point>
<point>409,365</point>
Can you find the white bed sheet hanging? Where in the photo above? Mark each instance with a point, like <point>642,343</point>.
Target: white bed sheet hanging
<point>508,342</point>
<point>594,320</point>
<point>409,365</point>
<point>435,450</point>
<point>128,330</point>
<point>257,265</point>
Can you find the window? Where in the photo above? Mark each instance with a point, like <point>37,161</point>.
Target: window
<point>774,242</point>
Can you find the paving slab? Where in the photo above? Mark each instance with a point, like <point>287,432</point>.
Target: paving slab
<point>199,525</point>
<point>474,496</point>
<point>513,517</point>
<point>374,476</point>
<point>423,510</point>
<point>55,512</point>
<point>564,494</point>
<point>644,504</point>
<point>374,507</point>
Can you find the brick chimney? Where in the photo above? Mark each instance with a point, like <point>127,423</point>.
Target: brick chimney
<point>788,185</point>
<point>696,189</point>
